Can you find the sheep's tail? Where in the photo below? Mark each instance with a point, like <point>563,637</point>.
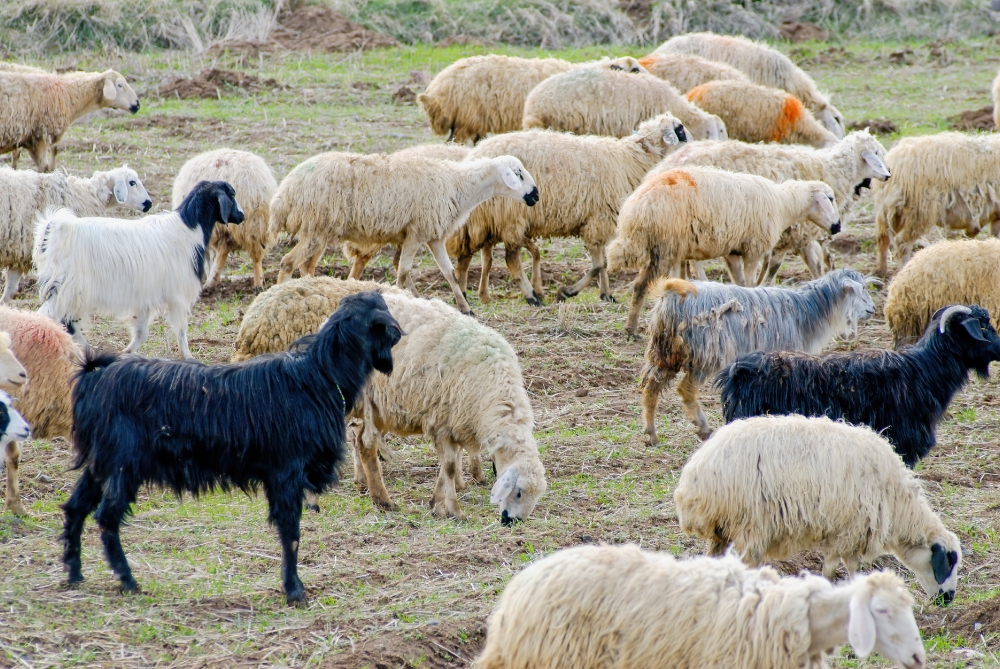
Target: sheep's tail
<point>88,374</point>
<point>671,285</point>
<point>624,253</point>
<point>440,122</point>
<point>532,121</point>
<point>278,210</point>
<point>47,239</point>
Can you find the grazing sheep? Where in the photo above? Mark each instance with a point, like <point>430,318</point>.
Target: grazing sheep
<point>996,101</point>
<point>50,357</point>
<point>454,381</point>
<point>778,485</point>
<point>764,66</point>
<point>700,213</point>
<point>25,194</point>
<point>848,166</point>
<point>130,269</point>
<point>620,607</point>
<point>601,101</point>
<point>39,107</point>
<point>944,180</point>
<point>255,185</point>
<point>476,96</point>
<point>948,272</point>
<point>276,422</point>
<point>584,178</point>
<point>25,69</point>
<point>385,199</point>
<point>754,113</point>
<point>361,256</point>
<point>12,377</point>
<point>901,394</point>
<point>703,334</point>
<point>684,71</point>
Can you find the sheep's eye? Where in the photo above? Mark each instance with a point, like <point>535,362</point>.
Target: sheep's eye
<point>132,184</point>
<point>519,494</point>
<point>882,611</point>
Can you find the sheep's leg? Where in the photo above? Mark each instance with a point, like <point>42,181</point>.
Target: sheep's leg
<point>38,151</point>
<point>462,272</point>
<point>484,278</point>
<point>300,257</point>
<point>905,252</point>
<point>444,264</point>
<point>85,498</point>
<point>367,448</point>
<point>812,256</point>
<point>358,265</point>
<point>830,564</point>
<point>214,274</point>
<point>284,501</point>
<point>445,499</point>
<point>512,256</point>
<point>769,270</point>
<point>257,256</point>
<point>109,518</point>
<point>140,332</point>
<point>596,265</point>
<point>735,263</point>
<point>406,255</point>
<point>652,385</point>
<point>699,268</point>
<point>177,317</point>
<point>10,285</point>
<point>688,390</point>
<point>750,267</point>
<point>14,157</point>
<point>460,483</point>
<point>354,430</point>
<point>718,543</point>
<point>13,490</point>
<point>536,266</point>
<point>639,290</point>
<point>476,466</point>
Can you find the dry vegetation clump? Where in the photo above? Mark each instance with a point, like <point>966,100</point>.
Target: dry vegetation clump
<point>213,83</point>
<point>974,119</point>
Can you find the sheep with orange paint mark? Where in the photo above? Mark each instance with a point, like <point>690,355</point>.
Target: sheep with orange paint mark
<point>684,71</point>
<point>700,213</point>
<point>755,113</point>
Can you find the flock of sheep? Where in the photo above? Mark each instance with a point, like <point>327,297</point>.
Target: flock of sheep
<point>752,162</point>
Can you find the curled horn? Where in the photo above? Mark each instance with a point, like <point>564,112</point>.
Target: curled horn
<point>874,280</point>
<point>949,312</point>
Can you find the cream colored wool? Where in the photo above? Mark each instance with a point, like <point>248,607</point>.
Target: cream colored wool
<point>50,357</point>
<point>361,256</point>
<point>950,180</point>
<point>583,179</point>
<point>764,66</point>
<point>945,273</point>
<point>996,101</point>
<point>39,107</point>
<point>17,67</point>
<point>700,213</point>
<point>620,607</point>
<point>597,100</point>
<point>778,485</point>
<point>844,167</point>
<point>684,71</point>
<point>754,113</point>
<point>386,199</point>
<point>454,381</point>
<point>12,374</point>
<point>255,185</point>
<point>25,194</point>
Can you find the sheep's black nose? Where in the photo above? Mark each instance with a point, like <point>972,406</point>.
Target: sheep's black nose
<point>948,596</point>
<point>531,198</point>
<point>835,228</point>
<point>507,520</point>
<point>147,205</point>
<point>134,108</point>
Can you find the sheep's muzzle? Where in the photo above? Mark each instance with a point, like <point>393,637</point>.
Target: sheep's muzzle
<point>531,198</point>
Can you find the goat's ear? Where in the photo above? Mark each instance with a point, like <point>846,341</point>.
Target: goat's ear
<point>120,189</point>
<point>854,286</point>
<point>504,485</point>
<point>975,330</point>
<point>510,178</point>
<point>225,206</point>
<point>942,562</point>
<point>109,87</point>
<point>861,624</point>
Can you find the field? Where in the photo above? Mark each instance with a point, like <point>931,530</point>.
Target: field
<point>405,589</point>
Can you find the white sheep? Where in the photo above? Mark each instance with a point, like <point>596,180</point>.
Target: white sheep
<point>39,107</point>
<point>477,96</point>
<point>385,199</point>
<point>848,166</point>
<point>255,185</point>
<point>129,269</point>
<point>764,66</point>
<point>685,71</point>
<point>25,194</point>
<point>754,113</point>
<point>996,101</point>
<point>454,381</point>
<point>945,180</point>
<point>620,607</point>
<point>597,100</point>
<point>700,213</point>
<point>777,485</point>
<point>584,179</point>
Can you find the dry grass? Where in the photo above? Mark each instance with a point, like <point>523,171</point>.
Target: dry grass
<point>406,589</point>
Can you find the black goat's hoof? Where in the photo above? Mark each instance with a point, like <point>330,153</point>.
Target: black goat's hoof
<point>313,507</point>
<point>538,296</point>
<point>129,588</point>
<point>74,580</point>
<point>297,599</point>
<point>533,301</point>
<point>608,297</point>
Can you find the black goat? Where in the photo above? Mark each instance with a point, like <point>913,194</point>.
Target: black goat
<point>275,421</point>
<point>902,394</point>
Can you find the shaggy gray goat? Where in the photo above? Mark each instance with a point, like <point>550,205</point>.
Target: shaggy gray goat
<point>703,334</point>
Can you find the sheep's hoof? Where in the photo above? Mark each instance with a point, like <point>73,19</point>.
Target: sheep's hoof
<point>533,301</point>
<point>538,295</point>
<point>704,434</point>
<point>18,509</point>
<point>313,507</point>
<point>469,313</point>
<point>386,505</point>
<point>608,297</point>
<point>651,437</point>
<point>564,294</point>
<point>257,290</point>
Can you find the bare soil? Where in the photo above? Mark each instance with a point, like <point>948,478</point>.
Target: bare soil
<point>974,119</point>
<point>214,83</point>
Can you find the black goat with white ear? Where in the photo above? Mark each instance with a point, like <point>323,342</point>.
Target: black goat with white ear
<point>276,421</point>
<point>901,394</point>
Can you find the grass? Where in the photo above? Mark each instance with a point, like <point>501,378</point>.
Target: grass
<point>406,589</point>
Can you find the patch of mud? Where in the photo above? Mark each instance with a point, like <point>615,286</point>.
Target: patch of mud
<point>442,646</point>
<point>974,119</point>
<point>460,40</point>
<point>404,96</point>
<point>213,83</point>
<point>979,618</point>
<point>310,28</point>
<point>798,31</point>
<point>877,126</point>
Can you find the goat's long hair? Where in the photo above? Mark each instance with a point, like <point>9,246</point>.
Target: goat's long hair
<point>189,426</point>
<point>901,393</point>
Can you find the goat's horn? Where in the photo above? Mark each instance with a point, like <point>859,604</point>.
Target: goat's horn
<point>875,281</point>
<point>951,311</point>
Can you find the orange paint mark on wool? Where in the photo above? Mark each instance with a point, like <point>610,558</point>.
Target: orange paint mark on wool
<point>647,61</point>
<point>790,114</point>
<point>676,178</point>
<point>697,93</point>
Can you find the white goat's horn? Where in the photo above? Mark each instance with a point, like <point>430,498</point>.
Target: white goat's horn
<point>951,311</point>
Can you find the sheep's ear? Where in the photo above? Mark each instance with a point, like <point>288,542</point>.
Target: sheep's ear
<point>942,562</point>
<point>109,88</point>
<point>120,190</point>
<point>504,486</point>
<point>510,178</point>
<point>861,624</point>
<point>875,163</point>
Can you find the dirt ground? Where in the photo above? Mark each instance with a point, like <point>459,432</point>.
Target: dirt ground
<point>404,589</point>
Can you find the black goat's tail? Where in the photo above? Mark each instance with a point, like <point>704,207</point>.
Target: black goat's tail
<point>92,363</point>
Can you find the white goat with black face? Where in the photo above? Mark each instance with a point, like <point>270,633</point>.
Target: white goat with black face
<point>130,269</point>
